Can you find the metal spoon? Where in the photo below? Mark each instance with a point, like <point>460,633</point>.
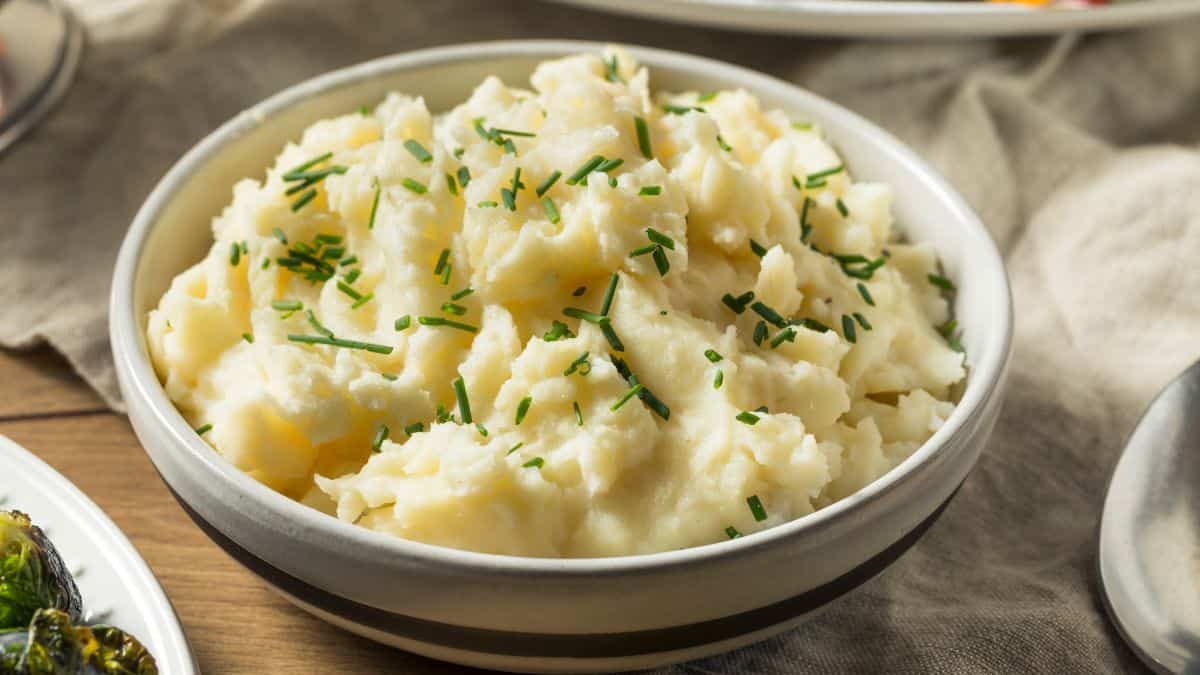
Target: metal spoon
<point>1149,555</point>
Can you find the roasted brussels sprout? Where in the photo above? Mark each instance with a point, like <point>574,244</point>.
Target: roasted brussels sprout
<point>32,575</point>
<point>53,645</point>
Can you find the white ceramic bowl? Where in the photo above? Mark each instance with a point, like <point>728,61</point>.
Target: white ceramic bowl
<point>549,615</point>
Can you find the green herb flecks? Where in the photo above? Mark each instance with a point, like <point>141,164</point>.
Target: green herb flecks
<point>403,323</point>
<point>203,429</point>
<point>643,137</point>
<point>464,403</point>
<point>523,410</point>
<point>578,412</point>
<point>381,435</point>
<point>633,391</point>
<point>650,191</point>
<point>848,329</point>
<point>746,417</point>
<point>442,321</point>
<point>535,463</point>
<point>338,342</point>
<point>581,365</point>
<point>756,508</point>
<point>417,150</point>
<point>935,279</point>
<point>551,210</point>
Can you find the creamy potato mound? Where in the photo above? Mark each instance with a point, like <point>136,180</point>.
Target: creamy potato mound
<point>387,255</point>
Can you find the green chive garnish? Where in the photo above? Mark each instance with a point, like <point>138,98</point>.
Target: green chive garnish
<point>935,279</point>
<point>842,209</point>
<point>248,338</point>
<point>287,305</point>
<point>650,190</point>
<point>481,429</point>
<point>866,295</point>
<point>292,174</point>
<point>848,329</point>
<point>718,379</point>
<point>464,176</point>
<point>403,322</point>
<point>819,182</point>
<point>660,238</point>
<point>443,259</point>
<point>374,206</point>
<point>509,199</point>
<point>707,96</point>
<point>304,199</point>
<point>510,132</point>
<point>671,109</point>
<point>826,172</point>
<point>318,326</point>
<point>579,291</point>
<point>414,186</point>
<point>580,364</point>
<point>606,329</point>
<point>732,532</point>
<point>348,261</point>
<point>280,236</point>
<point>584,315</point>
<point>610,70</point>
<point>381,435</point>
<point>712,355</point>
<point>756,508</point>
<point>337,342</point>
<point>417,150</point>
<point>451,185</point>
<point>760,332</point>
<point>348,290</point>
<point>551,210</point>
<point>235,254</point>
<point>609,292</point>
<point>536,462</point>
<point>585,169</point>
<point>578,412</point>
<point>548,183</point>
<point>722,144</point>
<point>413,428</point>
<point>757,248</point>
<point>643,250</point>
<point>453,308</point>
<point>633,391</point>
<point>862,321</point>
<point>353,275</point>
<point>643,137</point>
<point>558,330</point>
<point>609,164</point>
<point>813,324</point>
<point>746,417</point>
<point>736,304</point>
<point>389,377</point>
<point>464,404</point>
<point>203,429</point>
<point>660,261</point>
<point>769,314</point>
<point>514,448</point>
<point>446,274</point>
<point>462,294</point>
<point>523,409</point>
<point>442,321</point>
<point>265,263</point>
<point>487,204</point>
<point>786,335</point>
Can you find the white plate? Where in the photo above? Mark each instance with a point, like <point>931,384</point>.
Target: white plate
<point>888,18</point>
<point>118,587</point>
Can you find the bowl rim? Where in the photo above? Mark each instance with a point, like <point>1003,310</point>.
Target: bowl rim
<point>139,380</point>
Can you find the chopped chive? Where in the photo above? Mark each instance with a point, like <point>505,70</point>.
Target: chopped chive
<point>523,409</point>
<point>333,253</point>
<point>487,204</point>
<point>642,250</point>
<point>610,69</point>
<point>442,321</point>
<point>511,132</point>
<point>756,508</point>
<point>609,293</point>
<point>866,295</point>
<point>579,291</point>
<point>757,248</point>
<point>660,261</point>
<point>722,144</point>
<point>748,418</point>
<point>580,364</point>
<point>374,206</point>
<point>802,126</point>
<point>318,326</point>
<point>660,238</point>
<point>481,429</point>
<point>707,96</point>
<point>440,266</point>
<point>842,209</point>
<point>403,322</point>
<point>338,342</point>
<point>235,254</point>
<point>606,329</point>
<point>769,314</point>
<point>612,182</point>
<point>248,337</point>
<point>761,409</point>
<point>643,137</point>
<point>287,305</point>
<point>786,335</point>
<point>609,164</point>
<point>300,187</point>
<point>948,331</point>
<point>353,275</point>
<point>672,109</point>
<point>453,308</point>
<point>935,279</point>
<point>331,239</point>
<point>458,152</point>
<point>464,176</point>
<point>509,199</point>
<point>413,428</point>
<point>245,248</point>
<point>760,333</point>
<point>585,169</point>
<point>862,321</point>
<point>417,150</point>
<point>442,414</point>
<point>558,330</point>
<point>483,133</point>
<point>650,190</point>
<point>414,186</point>
<point>796,183</point>
<point>462,294</point>
<point>514,448</point>
<point>732,532</point>
<point>266,262</point>
<point>808,202</point>
<point>364,110</point>
<point>381,435</point>
<point>551,210</point>
<point>633,391</point>
<point>535,463</point>
<point>389,377</point>
<point>446,274</point>
<point>548,183</point>
<point>509,147</point>
<point>718,379</point>
<point>278,233</point>
<point>464,404</point>
<point>348,290</point>
<point>348,261</point>
<point>578,412</point>
<point>203,429</point>
<point>584,315</point>
<point>826,172</point>
<point>848,329</point>
<point>304,199</point>
<point>733,303</point>
<point>813,324</point>
<point>451,185</point>
<point>712,355</point>
<point>816,183</point>
<point>306,166</point>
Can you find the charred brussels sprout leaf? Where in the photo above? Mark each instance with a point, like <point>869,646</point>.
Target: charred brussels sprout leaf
<point>32,575</point>
<point>53,645</point>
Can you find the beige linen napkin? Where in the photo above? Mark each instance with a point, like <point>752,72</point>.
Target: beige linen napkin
<point>1061,145</point>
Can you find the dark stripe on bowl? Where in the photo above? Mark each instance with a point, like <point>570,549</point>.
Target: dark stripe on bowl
<point>589,645</point>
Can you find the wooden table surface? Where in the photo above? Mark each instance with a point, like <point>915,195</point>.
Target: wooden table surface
<point>234,622</point>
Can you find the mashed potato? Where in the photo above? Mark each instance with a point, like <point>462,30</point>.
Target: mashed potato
<point>409,322</point>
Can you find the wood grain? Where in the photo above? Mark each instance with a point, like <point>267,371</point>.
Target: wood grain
<point>234,622</point>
